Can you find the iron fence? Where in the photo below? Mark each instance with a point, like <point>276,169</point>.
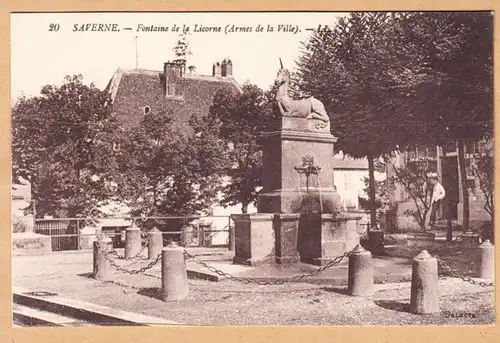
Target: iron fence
<point>80,233</point>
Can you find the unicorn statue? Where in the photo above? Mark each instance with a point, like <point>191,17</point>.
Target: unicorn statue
<point>310,108</point>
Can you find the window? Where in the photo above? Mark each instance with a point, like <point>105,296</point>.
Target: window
<point>347,182</point>
<point>469,168</point>
<point>422,153</point>
<point>450,148</point>
<point>431,151</point>
<point>472,147</point>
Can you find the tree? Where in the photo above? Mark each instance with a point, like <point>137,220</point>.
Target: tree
<point>432,69</point>
<point>454,97</point>
<point>62,145</point>
<point>350,68</point>
<point>414,178</point>
<point>164,173</point>
<point>242,118</point>
<point>484,171</point>
<point>182,49</point>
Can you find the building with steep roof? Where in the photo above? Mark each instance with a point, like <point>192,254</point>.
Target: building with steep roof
<point>442,161</point>
<point>138,91</point>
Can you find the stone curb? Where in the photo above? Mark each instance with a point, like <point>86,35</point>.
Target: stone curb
<point>334,281</point>
<point>86,311</point>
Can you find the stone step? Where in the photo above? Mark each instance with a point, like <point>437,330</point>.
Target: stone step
<point>84,311</point>
<point>27,316</point>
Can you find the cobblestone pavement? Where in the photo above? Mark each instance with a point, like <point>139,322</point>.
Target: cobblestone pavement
<point>232,303</point>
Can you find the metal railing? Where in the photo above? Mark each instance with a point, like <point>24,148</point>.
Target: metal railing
<point>79,233</point>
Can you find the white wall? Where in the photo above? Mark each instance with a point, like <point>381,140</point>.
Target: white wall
<point>21,198</point>
<point>350,184</point>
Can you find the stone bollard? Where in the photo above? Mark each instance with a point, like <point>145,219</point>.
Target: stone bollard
<point>486,260</point>
<point>155,243</point>
<point>102,265</point>
<point>360,280</point>
<point>174,283</point>
<point>132,241</point>
<point>424,284</point>
<point>376,241</point>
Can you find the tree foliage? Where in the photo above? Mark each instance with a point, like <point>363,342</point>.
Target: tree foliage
<point>394,80</point>
<point>62,145</point>
<point>165,173</point>
<point>242,118</point>
<point>414,178</point>
<point>484,172</point>
<point>182,49</point>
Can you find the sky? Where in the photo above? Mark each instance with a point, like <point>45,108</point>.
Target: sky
<point>41,56</point>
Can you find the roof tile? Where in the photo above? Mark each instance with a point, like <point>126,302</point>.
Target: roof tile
<point>132,90</point>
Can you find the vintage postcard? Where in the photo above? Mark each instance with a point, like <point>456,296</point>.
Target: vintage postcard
<point>192,169</point>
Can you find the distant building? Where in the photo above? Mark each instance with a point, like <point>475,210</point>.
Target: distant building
<point>443,161</point>
<point>140,92</point>
<point>348,176</point>
<point>21,199</point>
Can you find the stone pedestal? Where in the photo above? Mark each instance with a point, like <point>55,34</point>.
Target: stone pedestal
<point>324,237</point>
<point>287,186</point>
<point>298,208</point>
<point>300,200</point>
<point>254,238</point>
<point>286,228</point>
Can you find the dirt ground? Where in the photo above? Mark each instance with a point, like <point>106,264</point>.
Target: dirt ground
<point>234,303</point>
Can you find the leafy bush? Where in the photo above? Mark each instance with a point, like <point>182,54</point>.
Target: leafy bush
<point>18,224</point>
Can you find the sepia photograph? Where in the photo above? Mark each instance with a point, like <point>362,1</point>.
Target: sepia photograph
<point>193,169</point>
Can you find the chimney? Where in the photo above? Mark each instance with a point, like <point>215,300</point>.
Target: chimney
<point>216,69</point>
<point>173,72</point>
<point>227,67</point>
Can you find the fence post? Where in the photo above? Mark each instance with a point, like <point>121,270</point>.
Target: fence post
<point>174,283</point>
<point>102,266</point>
<point>360,272</point>
<point>78,237</point>
<point>230,234</point>
<point>424,284</point>
<point>201,234</point>
<point>155,244</point>
<point>486,260</point>
<point>132,241</point>
<point>376,241</point>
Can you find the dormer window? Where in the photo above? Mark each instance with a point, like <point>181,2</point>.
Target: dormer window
<point>147,109</point>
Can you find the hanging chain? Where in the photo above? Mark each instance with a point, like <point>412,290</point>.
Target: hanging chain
<point>144,244</point>
<point>229,276</point>
<point>121,285</point>
<point>133,271</point>
<point>294,278</point>
<point>335,261</point>
<point>448,271</point>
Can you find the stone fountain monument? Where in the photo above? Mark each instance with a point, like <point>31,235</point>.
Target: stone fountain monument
<point>299,218</point>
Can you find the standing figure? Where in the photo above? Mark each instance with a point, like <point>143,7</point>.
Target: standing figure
<point>438,194</point>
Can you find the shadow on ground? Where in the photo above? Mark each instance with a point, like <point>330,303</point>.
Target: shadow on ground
<point>338,290</point>
<point>393,305</point>
<point>85,275</point>
<point>152,292</point>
